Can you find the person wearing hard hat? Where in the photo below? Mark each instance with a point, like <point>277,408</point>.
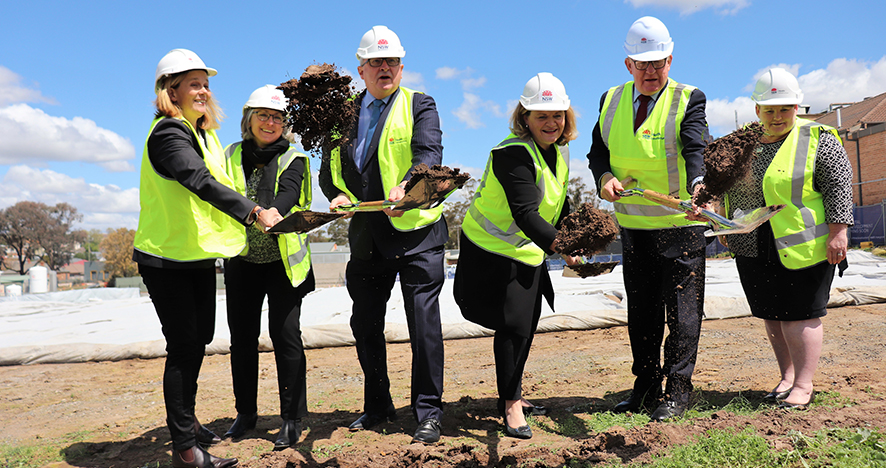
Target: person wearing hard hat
<point>508,232</point>
<point>191,214</point>
<point>397,129</point>
<point>787,265</point>
<point>273,174</point>
<point>652,129</point>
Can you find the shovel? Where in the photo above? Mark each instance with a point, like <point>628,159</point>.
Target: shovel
<point>722,225</point>
<point>303,221</point>
<point>425,194</point>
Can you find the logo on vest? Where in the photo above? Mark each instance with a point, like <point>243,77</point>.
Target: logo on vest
<point>396,141</point>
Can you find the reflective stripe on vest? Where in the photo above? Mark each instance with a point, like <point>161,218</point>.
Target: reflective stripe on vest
<point>295,251</point>
<point>394,161</point>
<point>800,229</point>
<point>651,157</point>
<point>174,223</point>
<point>489,223</point>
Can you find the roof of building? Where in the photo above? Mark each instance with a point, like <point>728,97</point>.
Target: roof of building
<point>859,115</point>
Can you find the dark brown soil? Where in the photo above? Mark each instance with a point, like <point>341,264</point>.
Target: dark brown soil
<point>437,173</point>
<point>586,270</point>
<point>727,160</point>
<point>112,415</point>
<point>586,231</point>
<point>321,111</point>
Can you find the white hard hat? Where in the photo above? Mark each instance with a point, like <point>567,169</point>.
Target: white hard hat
<point>777,87</point>
<point>648,40</point>
<point>544,92</point>
<point>177,61</point>
<point>380,42</point>
<point>266,97</point>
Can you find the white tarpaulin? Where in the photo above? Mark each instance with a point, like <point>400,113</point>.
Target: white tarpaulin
<point>115,324</point>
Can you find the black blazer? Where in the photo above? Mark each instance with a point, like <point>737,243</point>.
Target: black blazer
<point>371,232</point>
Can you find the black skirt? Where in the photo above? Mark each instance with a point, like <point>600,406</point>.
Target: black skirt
<point>778,293</point>
<point>498,292</point>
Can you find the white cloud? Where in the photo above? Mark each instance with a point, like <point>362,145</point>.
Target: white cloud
<point>843,80</point>
<point>102,205</point>
<point>687,7</point>
<point>413,80</point>
<point>11,90</point>
<point>33,136</point>
<point>473,105</point>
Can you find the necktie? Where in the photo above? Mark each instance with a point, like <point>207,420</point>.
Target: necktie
<point>375,112</point>
<point>642,111</point>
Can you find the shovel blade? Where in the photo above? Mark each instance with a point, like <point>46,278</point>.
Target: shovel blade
<point>427,193</point>
<point>304,221</point>
<point>748,222</point>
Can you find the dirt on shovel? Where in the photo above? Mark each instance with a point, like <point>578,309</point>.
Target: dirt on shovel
<point>727,160</point>
<point>321,109</point>
<point>586,231</point>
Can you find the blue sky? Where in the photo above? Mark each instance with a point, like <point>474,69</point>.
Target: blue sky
<point>76,78</point>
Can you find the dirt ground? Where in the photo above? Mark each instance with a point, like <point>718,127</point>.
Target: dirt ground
<point>117,407</point>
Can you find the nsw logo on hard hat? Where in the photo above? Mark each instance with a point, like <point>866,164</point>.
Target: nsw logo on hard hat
<point>382,44</point>
<point>547,96</point>
<point>275,98</point>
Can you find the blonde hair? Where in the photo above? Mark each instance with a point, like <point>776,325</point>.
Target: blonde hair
<point>166,108</point>
<point>519,127</point>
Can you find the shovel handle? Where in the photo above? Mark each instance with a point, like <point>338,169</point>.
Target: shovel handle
<point>663,199</point>
<point>686,207</point>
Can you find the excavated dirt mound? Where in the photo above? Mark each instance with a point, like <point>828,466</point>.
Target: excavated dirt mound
<point>321,111</point>
<point>437,173</point>
<point>727,160</point>
<point>586,232</point>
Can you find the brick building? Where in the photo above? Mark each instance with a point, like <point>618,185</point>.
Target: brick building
<point>862,126</point>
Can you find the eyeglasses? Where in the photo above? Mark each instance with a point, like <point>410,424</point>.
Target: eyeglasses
<point>277,119</point>
<point>376,62</point>
<point>656,64</point>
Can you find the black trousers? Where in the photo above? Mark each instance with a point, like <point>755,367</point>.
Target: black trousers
<point>664,273</point>
<point>370,283</point>
<point>247,284</point>
<point>185,303</point>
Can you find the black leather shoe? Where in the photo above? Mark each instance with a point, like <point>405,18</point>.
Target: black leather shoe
<point>522,432</point>
<point>668,410</point>
<point>637,401</point>
<point>367,420</point>
<point>289,434</point>
<point>197,457</point>
<point>428,432</point>
<point>797,406</point>
<point>204,435</point>
<point>535,410</point>
<point>243,423</point>
<point>774,397</point>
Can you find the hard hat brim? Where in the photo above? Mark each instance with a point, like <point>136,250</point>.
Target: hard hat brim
<point>547,107</point>
<point>652,55</point>
<point>784,101</point>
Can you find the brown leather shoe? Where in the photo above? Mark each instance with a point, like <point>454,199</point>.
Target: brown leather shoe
<point>196,457</point>
<point>205,437</point>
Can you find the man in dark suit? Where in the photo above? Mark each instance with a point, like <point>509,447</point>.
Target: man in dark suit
<point>398,129</point>
<point>653,130</point>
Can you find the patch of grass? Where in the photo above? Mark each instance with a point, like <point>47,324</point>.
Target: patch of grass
<point>31,456</point>
<point>721,448</point>
<point>843,448</point>
<point>326,451</point>
<point>832,399</point>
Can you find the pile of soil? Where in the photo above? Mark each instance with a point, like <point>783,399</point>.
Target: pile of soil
<point>727,160</point>
<point>586,231</point>
<point>437,173</point>
<point>321,111</point>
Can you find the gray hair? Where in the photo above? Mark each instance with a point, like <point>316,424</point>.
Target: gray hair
<point>246,129</point>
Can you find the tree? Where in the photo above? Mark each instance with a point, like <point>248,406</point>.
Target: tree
<point>90,245</point>
<point>337,231</point>
<point>579,193</point>
<point>116,248</point>
<point>18,229</point>
<point>56,237</point>
<point>454,212</point>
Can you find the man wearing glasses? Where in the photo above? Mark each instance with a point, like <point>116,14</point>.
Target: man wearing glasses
<point>653,130</point>
<point>397,129</point>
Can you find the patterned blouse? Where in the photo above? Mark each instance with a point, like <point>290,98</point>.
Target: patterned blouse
<point>263,248</point>
<point>832,177</point>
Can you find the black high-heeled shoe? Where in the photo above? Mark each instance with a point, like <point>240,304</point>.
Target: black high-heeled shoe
<point>797,406</point>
